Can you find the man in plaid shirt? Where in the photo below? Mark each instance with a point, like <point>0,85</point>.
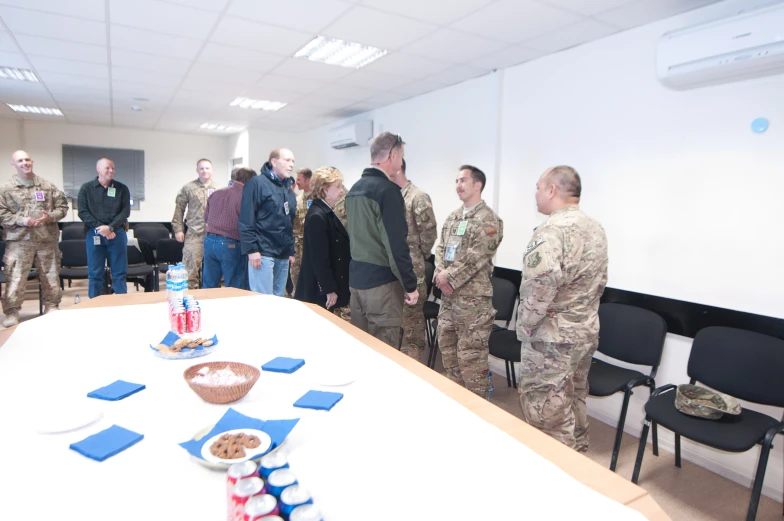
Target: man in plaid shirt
<point>222,255</point>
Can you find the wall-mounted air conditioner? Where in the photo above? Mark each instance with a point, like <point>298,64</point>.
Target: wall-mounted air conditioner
<point>747,45</point>
<point>351,135</point>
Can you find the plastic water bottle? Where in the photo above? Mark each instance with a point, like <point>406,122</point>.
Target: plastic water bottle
<point>176,282</point>
<point>77,299</point>
<point>184,280</point>
<point>490,389</point>
<point>169,282</point>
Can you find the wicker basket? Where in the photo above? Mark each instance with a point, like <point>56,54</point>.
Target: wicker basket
<point>222,393</point>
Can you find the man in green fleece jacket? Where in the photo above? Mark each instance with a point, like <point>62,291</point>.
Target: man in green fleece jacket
<point>381,270</point>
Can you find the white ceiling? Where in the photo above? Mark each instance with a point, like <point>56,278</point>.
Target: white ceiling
<point>190,58</point>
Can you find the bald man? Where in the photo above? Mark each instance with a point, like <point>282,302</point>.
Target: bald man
<point>29,210</point>
<point>104,208</point>
<point>564,274</point>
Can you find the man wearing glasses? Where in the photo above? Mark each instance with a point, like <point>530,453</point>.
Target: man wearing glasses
<point>381,274</point>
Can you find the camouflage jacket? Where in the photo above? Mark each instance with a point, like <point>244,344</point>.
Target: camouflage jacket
<point>299,222</point>
<point>192,196</point>
<point>564,274</point>
<point>340,211</point>
<point>18,200</point>
<point>466,251</point>
<point>422,231</point>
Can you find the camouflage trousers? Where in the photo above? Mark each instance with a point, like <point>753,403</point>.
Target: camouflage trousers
<point>553,387</point>
<point>344,313</point>
<point>414,325</point>
<point>19,257</point>
<point>464,326</point>
<point>193,257</point>
<point>294,270</point>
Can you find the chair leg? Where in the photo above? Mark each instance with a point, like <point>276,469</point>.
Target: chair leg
<point>619,430</point>
<point>508,378</point>
<point>677,450</point>
<point>433,353</point>
<point>756,488</point>
<point>69,283</point>
<point>40,299</point>
<point>514,376</point>
<point>641,450</point>
<point>655,438</point>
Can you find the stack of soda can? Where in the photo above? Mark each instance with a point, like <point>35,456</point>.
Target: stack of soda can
<point>267,492</point>
<point>185,315</point>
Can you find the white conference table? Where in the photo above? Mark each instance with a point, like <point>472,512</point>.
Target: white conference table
<point>404,443</point>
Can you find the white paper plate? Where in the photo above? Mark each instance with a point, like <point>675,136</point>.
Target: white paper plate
<point>57,418</point>
<point>264,446</point>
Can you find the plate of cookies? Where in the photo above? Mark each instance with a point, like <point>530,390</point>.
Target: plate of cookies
<point>236,446</point>
<point>174,347</point>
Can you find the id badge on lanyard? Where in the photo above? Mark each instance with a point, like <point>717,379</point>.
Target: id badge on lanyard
<point>452,247</point>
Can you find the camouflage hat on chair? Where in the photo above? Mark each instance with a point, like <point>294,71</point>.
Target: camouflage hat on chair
<point>704,403</point>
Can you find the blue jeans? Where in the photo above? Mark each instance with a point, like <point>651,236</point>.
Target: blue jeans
<point>116,250</point>
<point>270,279</point>
<point>222,256</point>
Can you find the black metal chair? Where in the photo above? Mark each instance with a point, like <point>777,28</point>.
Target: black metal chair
<point>168,251</point>
<point>151,233</point>
<point>743,364</point>
<point>503,341</point>
<point>32,275</point>
<point>431,309</point>
<point>73,262</point>
<point>141,268</point>
<point>632,335</point>
<point>74,233</point>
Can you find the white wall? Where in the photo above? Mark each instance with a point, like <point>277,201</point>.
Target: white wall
<point>170,159</point>
<point>687,193</point>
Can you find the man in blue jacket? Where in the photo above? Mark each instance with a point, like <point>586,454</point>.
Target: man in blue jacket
<point>266,224</point>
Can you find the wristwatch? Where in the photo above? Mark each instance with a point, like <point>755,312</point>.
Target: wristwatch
<point>111,229</point>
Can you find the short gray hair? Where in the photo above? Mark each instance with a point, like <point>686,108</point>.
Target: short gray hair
<point>382,145</point>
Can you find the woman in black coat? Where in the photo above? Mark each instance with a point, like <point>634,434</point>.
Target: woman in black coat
<point>323,275</point>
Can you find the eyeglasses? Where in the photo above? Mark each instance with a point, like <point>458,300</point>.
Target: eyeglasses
<point>398,142</point>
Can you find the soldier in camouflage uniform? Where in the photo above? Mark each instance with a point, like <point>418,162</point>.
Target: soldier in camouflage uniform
<point>564,274</point>
<point>29,210</point>
<point>464,264</point>
<point>193,196</point>
<point>340,211</point>
<point>303,204</point>
<point>422,234</point>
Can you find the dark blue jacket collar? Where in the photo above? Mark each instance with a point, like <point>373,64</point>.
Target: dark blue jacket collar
<point>266,170</point>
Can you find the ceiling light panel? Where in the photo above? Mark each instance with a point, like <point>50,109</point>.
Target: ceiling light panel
<point>247,103</point>
<point>219,128</point>
<point>46,111</point>
<point>12,73</point>
<point>339,52</point>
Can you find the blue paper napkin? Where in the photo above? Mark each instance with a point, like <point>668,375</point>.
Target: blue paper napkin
<point>116,391</point>
<point>106,443</point>
<point>277,430</point>
<point>282,364</point>
<point>318,400</point>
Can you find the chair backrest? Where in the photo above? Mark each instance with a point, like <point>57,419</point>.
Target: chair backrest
<point>169,251</point>
<point>430,269</point>
<point>151,234</point>
<point>743,364</point>
<point>134,256</point>
<point>74,253</point>
<point>631,334</point>
<point>504,297</point>
<point>71,233</point>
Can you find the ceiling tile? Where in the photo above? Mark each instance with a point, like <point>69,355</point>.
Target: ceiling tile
<point>161,79</point>
<point>643,12</point>
<point>581,32</point>
<point>13,59</point>
<point>23,92</point>
<point>270,93</point>
<point>407,65</point>
<point>287,83</point>
<point>200,100</point>
<point>588,7</point>
<point>99,107</point>
<point>37,46</point>
<point>374,80</point>
<point>234,77</point>
<point>22,21</point>
<point>306,69</point>
<point>419,87</point>
<point>260,37</point>
<point>162,17</point>
<point>45,64</point>
<point>453,46</point>
<point>158,44</point>
<point>457,74</point>
<point>371,27</point>
<point>80,96</point>
<point>304,15</point>
<point>92,9</point>
<point>349,92</point>
<point>441,13</point>
<point>142,90</point>
<point>148,62</point>
<point>7,43</point>
<point>208,5</point>
<point>239,57</point>
<point>51,79</point>
<point>508,57</point>
<point>317,100</point>
<point>87,118</point>
<point>516,20</point>
<point>126,99</point>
